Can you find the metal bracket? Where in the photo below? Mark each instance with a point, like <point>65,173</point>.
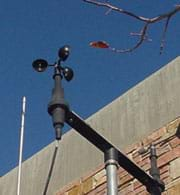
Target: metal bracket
<point>103,145</point>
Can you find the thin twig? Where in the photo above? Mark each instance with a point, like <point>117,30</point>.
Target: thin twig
<point>164,35</point>
<point>141,40</point>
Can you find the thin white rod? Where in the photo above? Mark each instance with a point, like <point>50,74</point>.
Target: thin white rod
<point>21,144</point>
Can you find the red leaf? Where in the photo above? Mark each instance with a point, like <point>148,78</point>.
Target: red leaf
<point>99,44</point>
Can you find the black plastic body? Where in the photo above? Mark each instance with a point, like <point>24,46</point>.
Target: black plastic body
<point>154,172</point>
<point>111,154</point>
<point>57,107</point>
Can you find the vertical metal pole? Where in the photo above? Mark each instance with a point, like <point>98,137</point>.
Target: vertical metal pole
<point>111,165</point>
<point>21,144</point>
<point>154,171</point>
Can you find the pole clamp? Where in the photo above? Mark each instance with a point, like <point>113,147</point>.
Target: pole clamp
<point>111,162</point>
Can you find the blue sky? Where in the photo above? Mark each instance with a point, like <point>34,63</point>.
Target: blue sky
<point>33,29</point>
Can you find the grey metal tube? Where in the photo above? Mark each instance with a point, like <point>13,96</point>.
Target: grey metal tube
<point>154,170</point>
<point>111,172</point>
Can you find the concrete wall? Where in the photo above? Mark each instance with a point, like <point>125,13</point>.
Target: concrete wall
<point>148,106</point>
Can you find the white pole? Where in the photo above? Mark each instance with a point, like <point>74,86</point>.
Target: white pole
<point>21,144</point>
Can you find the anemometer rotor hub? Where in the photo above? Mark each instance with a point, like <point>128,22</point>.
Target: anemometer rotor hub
<point>40,65</point>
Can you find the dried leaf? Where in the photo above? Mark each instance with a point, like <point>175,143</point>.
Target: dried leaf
<point>99,44</point>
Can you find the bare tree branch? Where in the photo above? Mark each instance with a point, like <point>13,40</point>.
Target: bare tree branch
<point>147,21</point>
<point>141,40</point>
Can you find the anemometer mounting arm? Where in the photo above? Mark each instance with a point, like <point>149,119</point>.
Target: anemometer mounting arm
<point>103,145</point>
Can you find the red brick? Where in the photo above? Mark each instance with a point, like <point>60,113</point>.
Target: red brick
<point>126,193</point>
<point>120,170</point>
<point>91,193</point>
<point>76,190</point>
<point>175,142</point>
<point>144,193</point>
<point>137,184</point>
<point>147,141</point>
<point>172,126</point>
<point>157,134</point>
<point>101,187</point>
<point>125,179</point>
<point>169,156</point>
<point>123,173</point>
<point>164,169</point>
<point>167,180</point>
<point>137,159</point>
<point>99,190</point>
<point>163,149</point>
<point>154,136</point>
<point>104,192</point>
<point>140,190</point>
<point>127,190</point>
<point>135,153</point>
<point>124,186</point>
<point>144,161</point>
<point>146,167</point>
<point>132,147</point>
<point>87,185</point>
<point>165,175</point>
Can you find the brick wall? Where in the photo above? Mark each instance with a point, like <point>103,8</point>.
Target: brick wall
<point>167,140</point>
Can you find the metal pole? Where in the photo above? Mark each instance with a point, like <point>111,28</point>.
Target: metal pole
<point>21,144</point>
<point>154,171</point>
<point>111,165</point>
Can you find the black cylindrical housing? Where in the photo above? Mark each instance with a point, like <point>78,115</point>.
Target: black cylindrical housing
<point>58,115</point>
<point>111,153</point>
<point>154,171</point>
<point>57,107</point>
